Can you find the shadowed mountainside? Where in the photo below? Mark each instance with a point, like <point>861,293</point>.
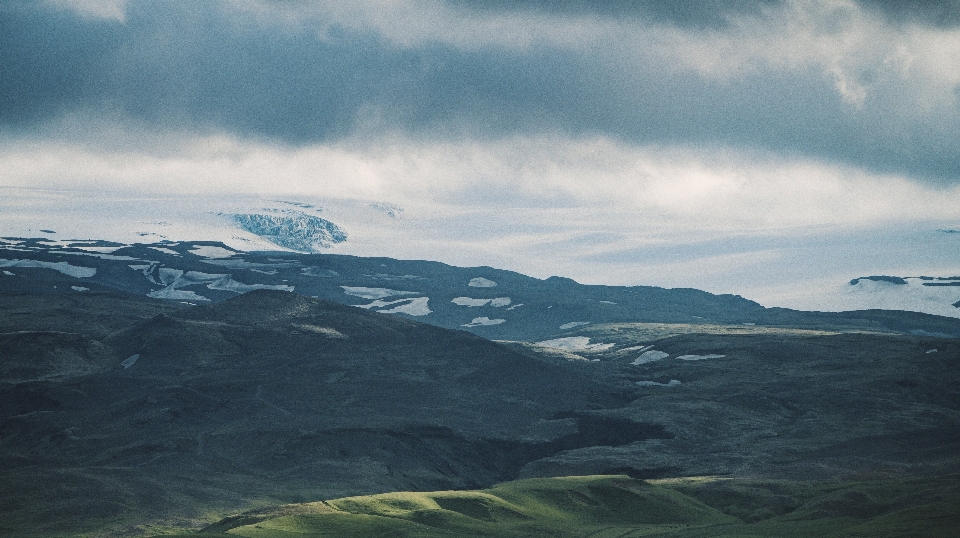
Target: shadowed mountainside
<point>127,415</point>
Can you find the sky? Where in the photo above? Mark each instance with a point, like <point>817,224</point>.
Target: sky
<point>757,147</point>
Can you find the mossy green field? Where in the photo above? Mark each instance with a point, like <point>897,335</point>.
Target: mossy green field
<point>621,507</point>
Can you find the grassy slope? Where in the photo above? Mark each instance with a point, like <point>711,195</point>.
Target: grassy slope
<point>612,506</point>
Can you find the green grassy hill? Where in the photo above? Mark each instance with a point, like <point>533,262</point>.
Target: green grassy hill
<point>620,507</point>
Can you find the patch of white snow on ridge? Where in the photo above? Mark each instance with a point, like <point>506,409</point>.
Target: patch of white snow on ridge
<point>63,267</point>
<point>79,288</point>
<point>166,250</point>
<point>8,273</point>
<point>636,348</point>
<point>574,343</point>
<point>416,306</point>
<point>467,301</point>
<point>699,357</point>
<point>101,256</point>
<point>573,324</point>
<point>169,276</point>
<point>480,282</point>
<point>477,322</point>
<point>607,302</point>
<point>672,383</point>
<point>100,250</point>
<point>128,362</point>
<point>207,251</point>
<point>175,279</point>
<point>649,356</point>
<point>374,293</point>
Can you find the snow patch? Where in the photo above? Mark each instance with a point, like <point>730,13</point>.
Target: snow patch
<point>79,288</point>
<point>637,348</point>
<point>480,282</point>
<point>63,267</point>
<point>374,293</point>
<point>467,301</point>
<point>8,273</point>
<point>207,251</point>
<point>931,351</point>
<point>166,250</point>
<point>699,357</point>
<point>416,306</point>
<point>649,356</point>
<point>329,332</point>
<point>100,255</point>
<point>175,279</point>
<point>607,302</point>
<point>99,250</point>
<point>671,383</point>
<point>477,322</point>
<point>573,324</point>
<point>128,362</point>
<point>574,343</point>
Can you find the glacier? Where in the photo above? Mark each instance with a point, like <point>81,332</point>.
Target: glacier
<point>293,230</point>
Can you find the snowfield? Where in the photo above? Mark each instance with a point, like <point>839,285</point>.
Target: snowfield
<point>207,251</point>
<point>480,282</point>
<point>671,383</point>
<point>699,357</point>
<point>175,279</point>
<point>416,306</point>
<point>574,343</point>
<point>467,301</point>
<point>374,293</point>
<point>933,295</point>
<point>573,324</point>
<point>477,322</point>
<point>63,267</point>
<point>649,356</point>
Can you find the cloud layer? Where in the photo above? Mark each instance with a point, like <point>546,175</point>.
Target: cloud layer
<point>871,85</point>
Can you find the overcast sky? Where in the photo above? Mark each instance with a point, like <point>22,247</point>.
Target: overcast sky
<point>650,121</point>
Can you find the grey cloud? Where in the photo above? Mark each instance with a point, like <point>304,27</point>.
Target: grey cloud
<point>712,13</point>
<point>684,13</point>
<point>207,66</point>
<point>939,13</point>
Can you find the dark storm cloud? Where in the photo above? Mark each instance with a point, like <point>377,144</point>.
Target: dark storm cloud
<point>206,66</point>
<point>685,13</point>
<point>47,61</point>
<point>712,13</point>
<point>940,13</point>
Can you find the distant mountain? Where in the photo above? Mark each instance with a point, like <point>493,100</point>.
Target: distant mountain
<point>492,303</point>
